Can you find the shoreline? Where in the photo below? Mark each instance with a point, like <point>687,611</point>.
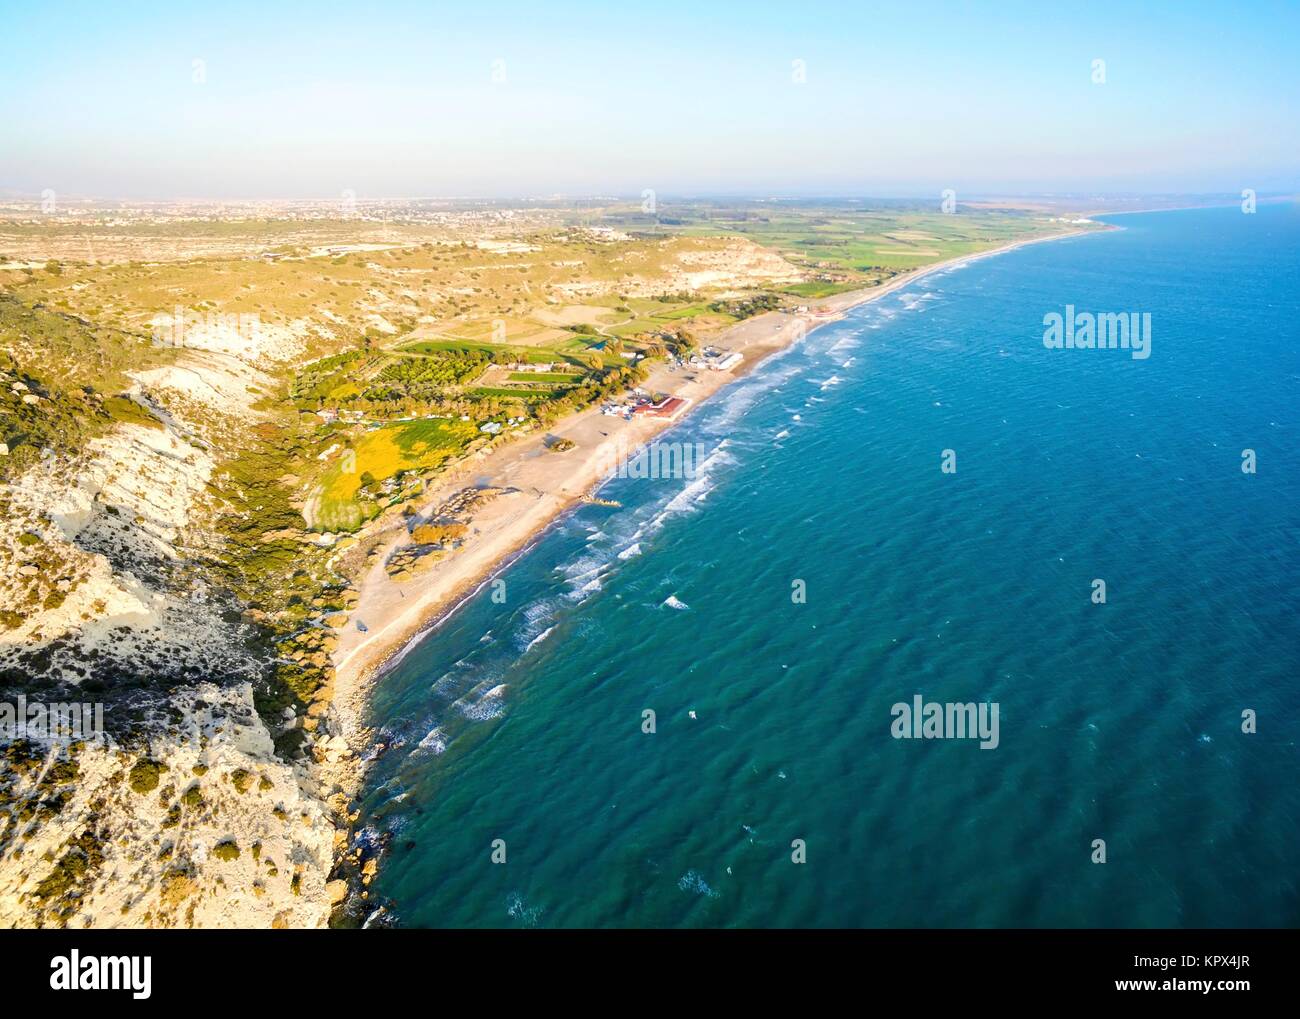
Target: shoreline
<point>1100,215</point>
<point>396,625</point>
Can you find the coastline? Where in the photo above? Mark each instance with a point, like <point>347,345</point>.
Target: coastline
<point>550,485</point>
<point>1100,215</point>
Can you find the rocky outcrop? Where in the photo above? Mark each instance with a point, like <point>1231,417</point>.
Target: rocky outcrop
<point>201,825</point>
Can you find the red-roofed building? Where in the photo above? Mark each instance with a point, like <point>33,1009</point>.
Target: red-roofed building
<point>668,408</point>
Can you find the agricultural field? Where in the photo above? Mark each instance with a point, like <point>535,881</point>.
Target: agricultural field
<point>352,489</point>
<point>556,377</point>
<point>843,245</point>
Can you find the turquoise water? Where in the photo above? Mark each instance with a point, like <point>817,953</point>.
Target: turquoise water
<point>1121,721</point>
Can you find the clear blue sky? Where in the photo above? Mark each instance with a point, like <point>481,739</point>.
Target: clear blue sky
<point>391,99</point>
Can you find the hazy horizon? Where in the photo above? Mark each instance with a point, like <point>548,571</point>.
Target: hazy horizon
<point>883,199</point>
<point>307,102</point>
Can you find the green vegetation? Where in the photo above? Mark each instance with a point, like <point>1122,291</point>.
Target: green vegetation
<point>280,580</point>
<point>81,860</point>
<point>514,393</point>
<point>847,245</point>
<point>70,352</point>
<point>573,350</point>
<point>749,306</point>
<point>559,377</point>
<point>145,775</point>
<point>55,373</point>
<point>352,488</point>
<point>128,411</point>
<point>815,290</point>
<point>386,384</point>
<point>316,383</point>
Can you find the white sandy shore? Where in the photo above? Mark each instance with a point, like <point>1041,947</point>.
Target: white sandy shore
<point>548,484</point>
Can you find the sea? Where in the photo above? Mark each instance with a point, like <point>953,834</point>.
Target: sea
<point>686,711</point>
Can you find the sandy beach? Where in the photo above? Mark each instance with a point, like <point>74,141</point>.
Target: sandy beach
<point>547,484</point>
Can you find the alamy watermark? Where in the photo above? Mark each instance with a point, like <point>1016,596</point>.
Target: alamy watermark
<point>37,720</point>
<point>934,720</point>
<point>1083,330</point>
<point>174,329</point>
<point>77,972</point>
<point>655,461</point>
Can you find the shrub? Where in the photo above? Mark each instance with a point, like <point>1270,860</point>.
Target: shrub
<point>145,775</point>
<point>437,534</point>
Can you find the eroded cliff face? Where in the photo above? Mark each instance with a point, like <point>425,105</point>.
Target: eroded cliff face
<point>197,823</point>
<point>93,570</point>
<point>213,795</point>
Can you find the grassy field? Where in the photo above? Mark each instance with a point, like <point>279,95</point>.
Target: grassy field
<point>815,290</point>
<point>521,392</point>
<point>876,241</point>
<point>378,455</point>
<point>573,351</point>
<point>843,243</point>
<point>562,378</point>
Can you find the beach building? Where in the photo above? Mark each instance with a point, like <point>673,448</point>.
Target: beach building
<point>669,408</point>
